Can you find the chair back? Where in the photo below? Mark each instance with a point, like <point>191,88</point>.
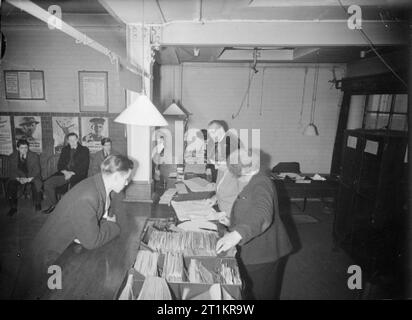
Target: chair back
<point>4,166</point>
<point>287,167</point>
<point>51,165</point>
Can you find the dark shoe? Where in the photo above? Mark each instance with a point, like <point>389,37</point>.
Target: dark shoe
<point>12,212</point>
<point>48,210</point>
<point>37,207</point>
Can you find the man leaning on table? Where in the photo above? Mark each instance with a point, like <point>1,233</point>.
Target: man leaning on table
<point>83,215</point>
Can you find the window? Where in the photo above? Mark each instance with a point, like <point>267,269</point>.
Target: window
<point>386,111</point>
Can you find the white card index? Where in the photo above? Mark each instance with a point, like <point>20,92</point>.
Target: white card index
<point>371,147</point>
<point>351,142</point>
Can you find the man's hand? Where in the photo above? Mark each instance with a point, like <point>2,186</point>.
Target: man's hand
<point>111,219</point>
<point>21,180</point>
<point>228,241</point>
<point>211,201</point>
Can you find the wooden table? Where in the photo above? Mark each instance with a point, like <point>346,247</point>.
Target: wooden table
<point>98,274</point>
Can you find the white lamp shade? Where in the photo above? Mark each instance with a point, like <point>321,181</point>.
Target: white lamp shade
<point>174,110</point>
<point>311,130</point>
<point>142,112</point>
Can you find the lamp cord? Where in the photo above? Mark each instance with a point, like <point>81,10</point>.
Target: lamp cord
<point>235,115</point>
<point>314,95</point>
<point>303,96</point>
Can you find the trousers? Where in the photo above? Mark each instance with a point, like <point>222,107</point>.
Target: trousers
<point>13,187</point>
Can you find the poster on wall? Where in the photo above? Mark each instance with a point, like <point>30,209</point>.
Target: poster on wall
<point>94,129</point>
<point>29,128</point>
<point>61,127</point>
<point>93,91</point>
<point>6,143</point>
<point>24,85</point>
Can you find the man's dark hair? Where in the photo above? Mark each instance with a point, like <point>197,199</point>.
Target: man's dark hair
<point>21,142</point>
<point>105,140</point>
<point>72,134</point>
<point>116,163</point>
<point>221,123</point>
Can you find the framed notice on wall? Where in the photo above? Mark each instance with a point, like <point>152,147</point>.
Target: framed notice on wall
<point>93,91</point>
<point>24,85</point>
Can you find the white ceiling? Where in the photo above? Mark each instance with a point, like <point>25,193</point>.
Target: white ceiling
<point>213,25</point>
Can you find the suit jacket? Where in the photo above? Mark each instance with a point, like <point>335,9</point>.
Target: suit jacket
<point>78,215</point>
<point>255,215</point>
<point>81,162</point>
<point>227,190</point>
<point>96,161</point>
<point>33,165</point>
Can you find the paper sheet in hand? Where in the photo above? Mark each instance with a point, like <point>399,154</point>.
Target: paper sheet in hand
<point>194,210</point>
<point>198,185</point>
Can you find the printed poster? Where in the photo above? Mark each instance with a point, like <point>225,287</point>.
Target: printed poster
<point>61,127</point>
<point>6,142</point>
<point>94,129</point>
<point>29,128</point>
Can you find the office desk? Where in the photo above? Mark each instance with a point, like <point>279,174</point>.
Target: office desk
<point>315,189</point>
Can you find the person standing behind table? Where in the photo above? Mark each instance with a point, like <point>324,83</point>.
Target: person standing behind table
<point>257,229</point>
<point>220,144</point>
<point>73,166</point>
<point>83,216</point>
<point>99,156</point>
<point>24,170</point>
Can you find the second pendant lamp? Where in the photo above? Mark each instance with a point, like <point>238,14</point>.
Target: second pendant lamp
<point>311,129</point>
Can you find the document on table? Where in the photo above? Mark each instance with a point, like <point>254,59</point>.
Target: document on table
<point>194,210</point>
<point>199,185</point>
<point>167,196</point>
<point>181,189</point>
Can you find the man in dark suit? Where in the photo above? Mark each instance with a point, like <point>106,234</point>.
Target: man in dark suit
<point>72,168</point>
<point>221,143</point>
<point>83,215</point>
<point>98,157</point>
<point>256,227</point>
<point>24,171</point>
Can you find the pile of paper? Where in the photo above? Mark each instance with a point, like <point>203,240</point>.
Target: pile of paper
<point>181,189</point>
<point>173,269</point>
<point>194,210</point>
<point>146,263</point>
<point>229,275</point>
<point>167,196</point>
<point>199,185</point>
<point>199,274</point>
<point>154,288</point>
<point>188,243</point>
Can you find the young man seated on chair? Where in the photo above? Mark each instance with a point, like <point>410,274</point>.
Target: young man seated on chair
<point>72,168</point>
<point>24,171</point>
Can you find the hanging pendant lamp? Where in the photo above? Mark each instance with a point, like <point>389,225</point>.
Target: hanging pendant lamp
<point>311,129</point>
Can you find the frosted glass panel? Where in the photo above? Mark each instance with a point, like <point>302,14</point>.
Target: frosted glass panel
<point>401,103</point>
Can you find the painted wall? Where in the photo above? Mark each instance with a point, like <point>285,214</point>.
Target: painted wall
<point>212,91</point>
<point>61,59</point>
